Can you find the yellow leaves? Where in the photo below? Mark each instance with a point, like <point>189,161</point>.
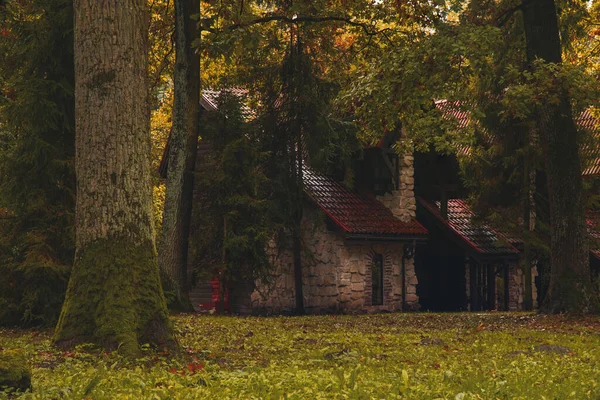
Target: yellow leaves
<point>158,200</point>
<point>160,126</point>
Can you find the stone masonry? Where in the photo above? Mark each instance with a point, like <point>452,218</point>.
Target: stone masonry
<point>516,287</point>
<point>402,201</point>
<point>337,275</point>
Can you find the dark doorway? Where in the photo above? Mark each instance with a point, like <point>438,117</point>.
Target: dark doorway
<point>482,279</point>
<point>440,269</point>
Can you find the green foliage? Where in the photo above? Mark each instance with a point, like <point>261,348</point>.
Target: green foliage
<point>37,183</point>
<point>393,356</point>
<point>231,227</point>
<point>14,373</point>
<point>32,293</point>
<point>300,127</point>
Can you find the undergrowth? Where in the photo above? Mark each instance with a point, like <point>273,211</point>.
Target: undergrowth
<point>414,356</point>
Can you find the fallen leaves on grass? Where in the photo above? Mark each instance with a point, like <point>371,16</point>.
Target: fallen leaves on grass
<point>433,356</point>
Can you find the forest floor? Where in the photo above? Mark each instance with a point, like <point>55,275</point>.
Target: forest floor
<point>385,356</point>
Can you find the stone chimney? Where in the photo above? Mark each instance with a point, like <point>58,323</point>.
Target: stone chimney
<point>402,200</point>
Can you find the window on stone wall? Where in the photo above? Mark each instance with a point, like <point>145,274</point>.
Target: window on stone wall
<point>377,280</point>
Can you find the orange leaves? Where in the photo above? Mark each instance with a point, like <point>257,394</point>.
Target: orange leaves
<point>190,369</point>
<point>344,42</point>
<point>195,367</point>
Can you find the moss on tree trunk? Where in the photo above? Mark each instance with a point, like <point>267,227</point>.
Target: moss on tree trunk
<point>114,298</point>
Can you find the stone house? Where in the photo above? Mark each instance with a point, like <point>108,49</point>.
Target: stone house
<point>402,239</point>
<point>359,252</point>
<point>358,243</point>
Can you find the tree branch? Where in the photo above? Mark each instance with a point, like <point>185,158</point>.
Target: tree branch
<point>300,19</point>
<point>505,16</point>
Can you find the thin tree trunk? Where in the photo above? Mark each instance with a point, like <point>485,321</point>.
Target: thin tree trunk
<point>297,252</point>
<point>221,305</point>
<point>183,142</point>
<point>570,282</point>
<point>528,224</point>
<point>296,118</point>
<point>114,296</point>
<point>297,225</point>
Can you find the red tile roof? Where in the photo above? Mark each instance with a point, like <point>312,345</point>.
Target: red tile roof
<point>210,101</point>
<point>477,235</point>
<point>356,213</point>
<point>593,221</point>
<point>455,110</point>
<point>588,122</point>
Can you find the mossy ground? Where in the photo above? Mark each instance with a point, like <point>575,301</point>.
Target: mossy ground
<point>415,356</point>
<point>14,373</point>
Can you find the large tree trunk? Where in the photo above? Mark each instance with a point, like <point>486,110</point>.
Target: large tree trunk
<point>114,297</point>
<point>570,283</point>
<point>182,156</point>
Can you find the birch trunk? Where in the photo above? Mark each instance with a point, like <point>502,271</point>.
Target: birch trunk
<point>114,297</point>
<point>182,156</point>
<point>570,282</point>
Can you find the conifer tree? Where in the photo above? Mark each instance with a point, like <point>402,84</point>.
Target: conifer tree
<point>37,183</point>
<point>231,224</point>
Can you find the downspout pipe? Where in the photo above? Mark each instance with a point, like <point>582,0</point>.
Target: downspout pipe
<point>407,254</point>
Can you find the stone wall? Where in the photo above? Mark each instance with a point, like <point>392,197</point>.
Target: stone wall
<point>516,287</point>
<point>336,275</point>
<point>402,201</point>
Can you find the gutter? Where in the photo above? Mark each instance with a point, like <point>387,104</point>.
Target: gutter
<point>369,238</point>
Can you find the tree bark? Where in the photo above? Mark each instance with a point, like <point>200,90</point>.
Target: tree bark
<point>222,272</point>
<point>183,142</point>
<point>297,229</point>
<point>529,223</point>
<point>570,282</point>
<point>114,297</point>
<point>297,253</point>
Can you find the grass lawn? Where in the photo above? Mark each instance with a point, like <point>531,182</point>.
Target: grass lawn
<point>386,356</point>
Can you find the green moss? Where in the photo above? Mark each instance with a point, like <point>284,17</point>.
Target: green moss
<point>14,373</point>
<point>115,298</point>
<point>571,293</point>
